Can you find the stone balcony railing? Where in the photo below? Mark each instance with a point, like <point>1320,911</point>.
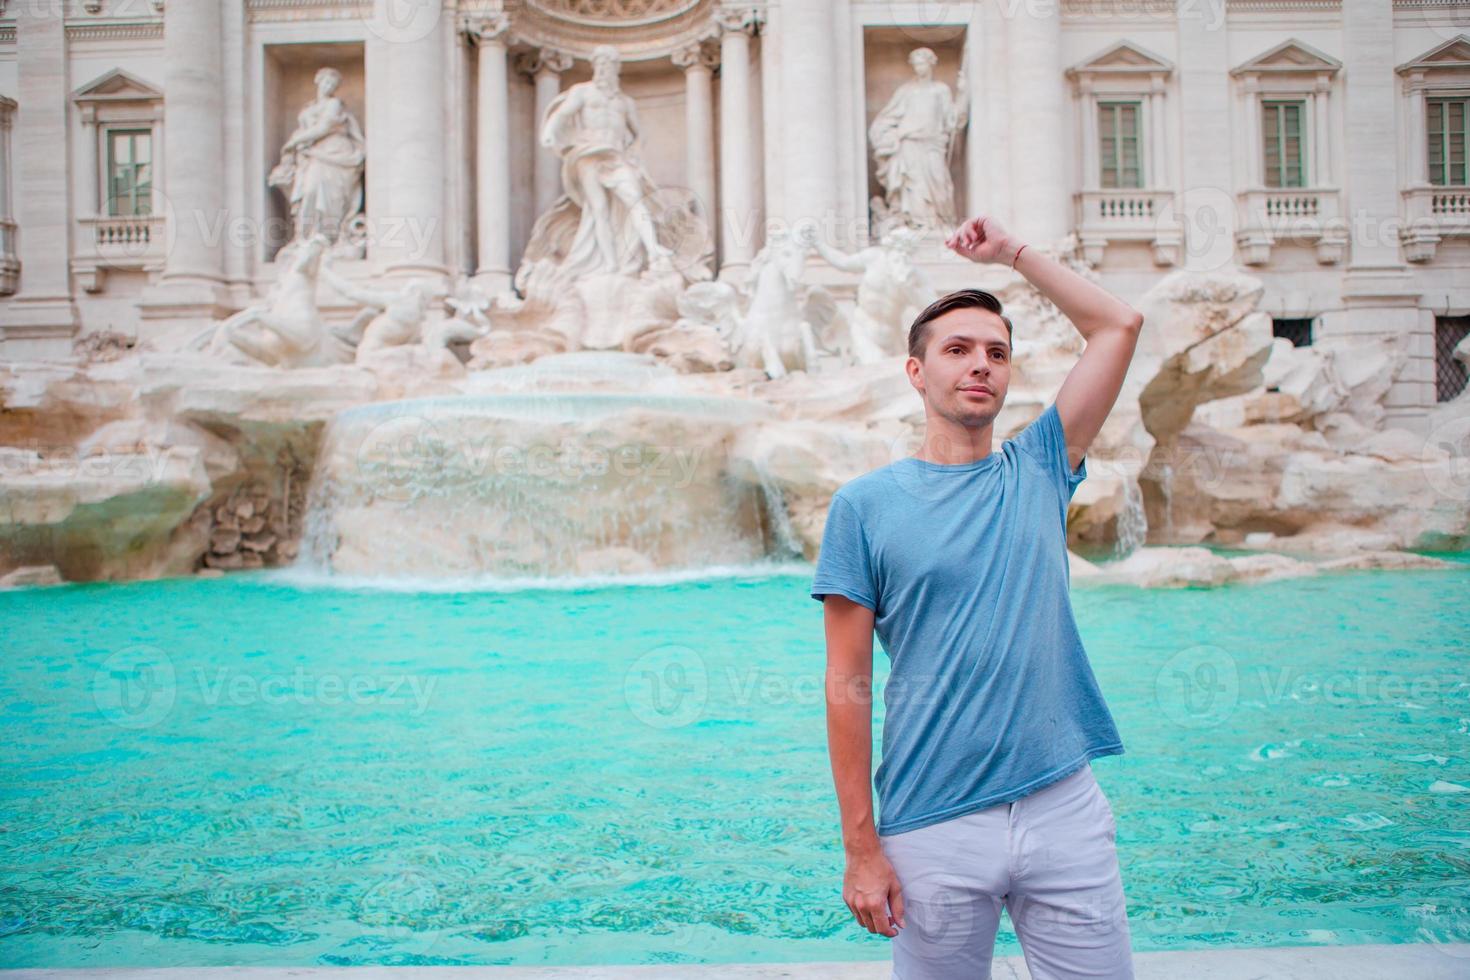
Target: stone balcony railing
<point>1292,216</point>
<point>127,242</point>
<point>1105,216</point>
<point>1432,214</point>
<point>9,264</point>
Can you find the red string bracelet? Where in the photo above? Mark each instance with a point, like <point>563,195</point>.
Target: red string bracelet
<point>1018,255</point>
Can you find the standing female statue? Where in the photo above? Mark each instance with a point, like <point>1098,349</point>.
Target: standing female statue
<point>322,163</point>
<point>913,138</point>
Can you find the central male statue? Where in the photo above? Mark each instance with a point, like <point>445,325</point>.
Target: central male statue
<point>592,126</point>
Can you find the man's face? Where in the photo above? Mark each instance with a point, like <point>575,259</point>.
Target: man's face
<point>966,349</point>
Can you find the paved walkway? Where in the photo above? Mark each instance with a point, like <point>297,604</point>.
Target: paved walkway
<point>1419,961</point>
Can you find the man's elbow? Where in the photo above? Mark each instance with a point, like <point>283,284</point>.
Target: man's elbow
<point>1134,321</point>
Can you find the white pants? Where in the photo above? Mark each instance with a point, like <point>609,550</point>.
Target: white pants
<point>1049,857</point>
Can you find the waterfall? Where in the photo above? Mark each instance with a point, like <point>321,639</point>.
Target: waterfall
<point>1132,521</point>
<point>537,483</point>
<point>775,501</point>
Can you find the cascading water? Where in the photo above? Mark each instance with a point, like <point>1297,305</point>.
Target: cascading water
<point>1132,521</point>
<point>516,478</point>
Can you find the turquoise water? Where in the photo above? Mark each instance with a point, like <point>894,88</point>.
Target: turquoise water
<point>247,771</point>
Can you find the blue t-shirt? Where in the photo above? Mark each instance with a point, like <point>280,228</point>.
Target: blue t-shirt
<point>990,694</point>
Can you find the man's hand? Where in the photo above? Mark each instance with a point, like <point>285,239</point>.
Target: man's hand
<point>982,239</point>
<point>871,889</point>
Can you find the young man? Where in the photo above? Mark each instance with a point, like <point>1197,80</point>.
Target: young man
<point>957,556</point>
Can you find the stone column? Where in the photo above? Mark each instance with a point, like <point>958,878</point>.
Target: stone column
<point>976,170</point>
<point>1040,150</point>
<point>492,154</point>
<point>9,265</point>
<point>809,117</point>
<point>409,237</point>
<point>545,67</point>
<point>1091,162</point>
<point>997,199</point>
<point>1322,135</point>
<point>1208,180</point>
<point>699,128</point>
<point>738,210</point>
<point>1418,175</point>
<point>1255,176</point>
<point>42,319</point>
<point>1157,136</point>
<point>192,286</point>
<point>1380,297</point>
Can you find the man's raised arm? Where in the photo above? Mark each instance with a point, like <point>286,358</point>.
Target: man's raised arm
<point>869,887</point>
<point>1109,325</point>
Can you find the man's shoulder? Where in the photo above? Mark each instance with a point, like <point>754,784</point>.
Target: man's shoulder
<point>866,491</point>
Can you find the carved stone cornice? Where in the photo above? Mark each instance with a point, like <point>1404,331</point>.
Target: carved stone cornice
<point>115,30</point>
<point>641,30</point>
<point>264,11</point>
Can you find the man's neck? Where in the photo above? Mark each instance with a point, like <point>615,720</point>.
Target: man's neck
<point>955,445</point>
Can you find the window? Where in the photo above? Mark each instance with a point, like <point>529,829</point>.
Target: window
<point>1118,135</point>
<point>1445,126</point>
<point>1449,374</point>
<point>1281,137</point>
<point>1298,330</point>
<point>129,172</point>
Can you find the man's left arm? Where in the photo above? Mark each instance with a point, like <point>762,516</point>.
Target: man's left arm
<point>1109,325</point>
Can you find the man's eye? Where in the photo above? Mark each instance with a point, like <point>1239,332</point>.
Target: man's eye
<point>954,348</point>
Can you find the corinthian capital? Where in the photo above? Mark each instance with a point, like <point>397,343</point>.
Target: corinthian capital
<point>738,16</point>
<point>543,59</point>
<point>694,54</point>
<point>483,27</point>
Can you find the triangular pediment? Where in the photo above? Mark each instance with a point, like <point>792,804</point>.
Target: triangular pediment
<point>1123,58</point>
<point>117,86</point>
<point>1290,56</point>
<point>1454,53</point>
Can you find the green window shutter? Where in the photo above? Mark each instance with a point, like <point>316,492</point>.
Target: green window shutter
<point>129,172</point>
<point>1285,162</point>
<point>1118,149</point>
<point>1455,134</point>
<point>1436,112</point>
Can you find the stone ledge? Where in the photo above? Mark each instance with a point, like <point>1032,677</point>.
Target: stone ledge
<point>1423,961</point>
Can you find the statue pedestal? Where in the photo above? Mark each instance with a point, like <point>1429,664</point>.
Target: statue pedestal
<point>610,309</point>
<point>606,304</point>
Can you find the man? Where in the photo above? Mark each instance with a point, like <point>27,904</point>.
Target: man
<point>957,556</point>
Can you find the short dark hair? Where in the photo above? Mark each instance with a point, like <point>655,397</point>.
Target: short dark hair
<point>960,299</point>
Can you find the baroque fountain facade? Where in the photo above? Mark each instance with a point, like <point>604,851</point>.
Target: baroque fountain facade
<point>585,287</point>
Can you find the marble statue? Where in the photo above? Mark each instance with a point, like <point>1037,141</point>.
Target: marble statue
<point>774,323</point>
<point>322,164</point>
<point>913,139</point>
<point>391,317</point>
<point>890,294</point>
<point>774,329</point>
<point>603,222</point>
<point>286,329</point>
